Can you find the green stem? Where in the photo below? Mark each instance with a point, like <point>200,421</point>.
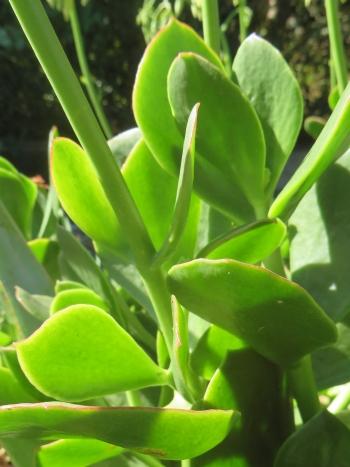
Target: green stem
<point>342,400</point>
<point>84,66</point>
<point>302,382</point>
<point>134,398</point>
<point>211,24</point>
<point>336,43</point>
<point>242,24</point>
<point>54,62</point>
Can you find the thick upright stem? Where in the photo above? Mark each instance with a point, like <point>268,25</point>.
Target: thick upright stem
<point>302,382</point>
<point>211,24</point>
<point>84,66</point>
<point>338,55</point>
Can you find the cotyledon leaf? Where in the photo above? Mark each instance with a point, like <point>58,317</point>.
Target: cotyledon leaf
<point>165,433</point>
<point>150,101</point>
<point>229,140</point>
<point>277,317</point>
<point>82,352</point>
<point>265,77</point>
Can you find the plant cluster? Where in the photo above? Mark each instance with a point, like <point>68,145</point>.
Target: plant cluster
<point>186,336</point>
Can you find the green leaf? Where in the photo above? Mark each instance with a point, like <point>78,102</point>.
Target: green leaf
<point>166,433</point>
<point>81,193</point>
<point>314,125</point>
<point>211,350</point>
<point>266,78</point>
<point>275,316</point>
<point>250,243</point>
<point>36,305</point>
<point>122,144</point>
<point>233,148</point>
<point>11,392</point>
<point>18,267</point>
<point>18,195</point>
<point>323,442</point>
<point>46,252</point>
<point>333,141</point>
<point>77,297</point>
<point>331,365</point>
<point>150,101</point>
<point>183,192</point>
<point>62,286</point>
<point>76,452</point>
<point>81,353</point>
<point>253,442</point>
<point>320,246</point>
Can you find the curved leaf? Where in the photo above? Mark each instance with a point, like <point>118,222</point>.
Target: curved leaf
<point>229,138</point>
<point>166,433</point>
<point>150,101</point>
<point>122,144</point>
<point>80,296</point>
<point>268,81</point>
<point>11,392</point>
<point>81,353</point>
<point>250,243</point>
<point>275,316</point>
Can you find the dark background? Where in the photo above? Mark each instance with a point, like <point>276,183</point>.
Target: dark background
<point>115,45</point>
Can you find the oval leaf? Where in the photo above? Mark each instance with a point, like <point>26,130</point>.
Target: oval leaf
<point>81,353</point>
<point>275,316</point>
<point>80,296</point>
<point>166,433</point>
<point>267,80</point>
<point>229,138</point>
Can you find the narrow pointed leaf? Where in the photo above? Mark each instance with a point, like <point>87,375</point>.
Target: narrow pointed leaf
<point>150,101</point>
<point>18,267</point>
<point>250,243</point>
<point>229,138</point>
<point>267,80</point>
<point>275,316</point>
<point>166,433</point>
<point>81,353</point>
<point>323,441</point>
<point>183,192</point>
<point>76,452</point>
<point>332,143</point>
<point>36,305</point>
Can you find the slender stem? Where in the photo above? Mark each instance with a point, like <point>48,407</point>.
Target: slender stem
<point>84,66</point>
<point>336,43</point>
<point>211,24</point>
<point>304,389</point>
<point>242,20</point>
<point>342,400</point>
<point>54,62</point>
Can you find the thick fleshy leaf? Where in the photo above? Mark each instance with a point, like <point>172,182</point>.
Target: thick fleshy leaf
<point>323,441</point>
<point>81,192</point>
<point>77,297</point>
<point>81,353</point>
<point>314,125</point>
<point>229,142</point>
<point>11,392</point>
<point>332,143</point>
<point>250,243</point>
<point>46,252</point>
<point>166,433</point>
<point>18,194</point>
<point>267,80</point>
<point>36,305</point>
<point>150,101</point>
<point>76,452</point>
<point>320,240</point>
<point>255,440</point>
<point>275,316</point>
<point>211,350</point>
<point>331,365</point>
<point>122,144</point>
<point>183,192</point>
<point>18,267</point>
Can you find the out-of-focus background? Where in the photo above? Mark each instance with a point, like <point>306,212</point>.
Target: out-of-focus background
<point>116,32</point>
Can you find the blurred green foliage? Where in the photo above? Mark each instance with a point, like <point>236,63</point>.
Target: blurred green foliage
<point>115,43</point>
